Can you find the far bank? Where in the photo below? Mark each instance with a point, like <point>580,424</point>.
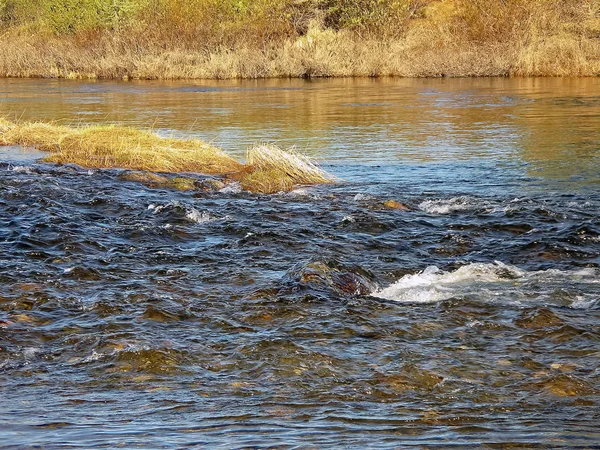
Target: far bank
<point>321,53</point>
<point>207,39</point>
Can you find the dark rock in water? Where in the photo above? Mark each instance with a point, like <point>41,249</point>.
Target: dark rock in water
<point>319,275</point>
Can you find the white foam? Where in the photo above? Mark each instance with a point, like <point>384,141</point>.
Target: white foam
<point>21,169</point>
<point>198,216</point>
<point>491,283</point>
<point>300,193</point>
<point>231,188</point>
<point>31,352</point>
<point>585,301</point>
<point>363,197</point>
<point>455,204</point>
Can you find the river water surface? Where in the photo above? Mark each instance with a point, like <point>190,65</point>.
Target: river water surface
<point>134,317</point>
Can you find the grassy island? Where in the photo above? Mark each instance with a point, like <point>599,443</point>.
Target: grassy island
<point>268,169</point>
<point>187,39</point>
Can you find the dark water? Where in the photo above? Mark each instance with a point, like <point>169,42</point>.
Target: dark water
<point>133,317</point>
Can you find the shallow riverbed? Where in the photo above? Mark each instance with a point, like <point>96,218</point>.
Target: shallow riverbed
<point>151,318</point>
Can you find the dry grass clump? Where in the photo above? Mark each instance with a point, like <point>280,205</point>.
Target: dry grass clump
<point>129,148</point>
<point>43,136</point>
<point>270,169</point>
<point>298,167</point>
<point>112,146</point>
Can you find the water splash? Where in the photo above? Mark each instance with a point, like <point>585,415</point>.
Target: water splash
<point>497,282</point>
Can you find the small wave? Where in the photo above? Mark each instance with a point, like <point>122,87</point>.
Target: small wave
<point>466,203</point>
<point>360,197</point>
<point>299,194</point>
<point>231,188</point>
<point>493,282</point>
<point>190,213</point>
<point>22,169</point>
<point>158,208</point>
<point>455,204</point>
<point>198,216</point>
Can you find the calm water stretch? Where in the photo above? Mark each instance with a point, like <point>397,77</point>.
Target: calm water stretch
<point>133,317</point>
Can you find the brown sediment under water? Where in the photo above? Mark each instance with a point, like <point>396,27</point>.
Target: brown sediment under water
<point>446,293</point>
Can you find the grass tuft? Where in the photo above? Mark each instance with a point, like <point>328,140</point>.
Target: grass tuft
<point>297,167</point>
<point>268,169</point>
<point>112,146</point>
<point>43,136</point>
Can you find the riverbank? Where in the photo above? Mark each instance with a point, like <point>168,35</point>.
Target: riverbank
<point>453,38</point>
<point>322,54</point>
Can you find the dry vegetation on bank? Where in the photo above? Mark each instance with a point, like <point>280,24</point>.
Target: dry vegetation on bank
<point>170,39</point>
<point>268,169</point>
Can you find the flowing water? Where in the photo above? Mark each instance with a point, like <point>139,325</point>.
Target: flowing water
<point>148,318</point>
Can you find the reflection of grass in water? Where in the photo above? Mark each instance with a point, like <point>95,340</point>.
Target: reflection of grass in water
<point>269,169</point>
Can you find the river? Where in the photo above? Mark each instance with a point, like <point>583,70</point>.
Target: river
<point>151,318</point>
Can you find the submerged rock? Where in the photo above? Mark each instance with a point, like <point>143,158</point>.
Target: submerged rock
<point>564,386</point>
<point>210,185</point>
<point>153,180</point>
<point>144,177</point>
<point>393,204</point>
<point>376,204</point>
<point>344,281</point>
<point>410,377</point>
<point>183,184</point>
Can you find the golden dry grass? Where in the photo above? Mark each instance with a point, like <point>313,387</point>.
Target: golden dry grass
<point>433,38</point>
<point>299,168</point>
<point>122,147</point>
<point>44,136</point>
<point>111,146</point>
<point>268,169</point>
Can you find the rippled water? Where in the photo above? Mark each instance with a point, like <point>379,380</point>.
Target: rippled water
<point>150,318</point>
